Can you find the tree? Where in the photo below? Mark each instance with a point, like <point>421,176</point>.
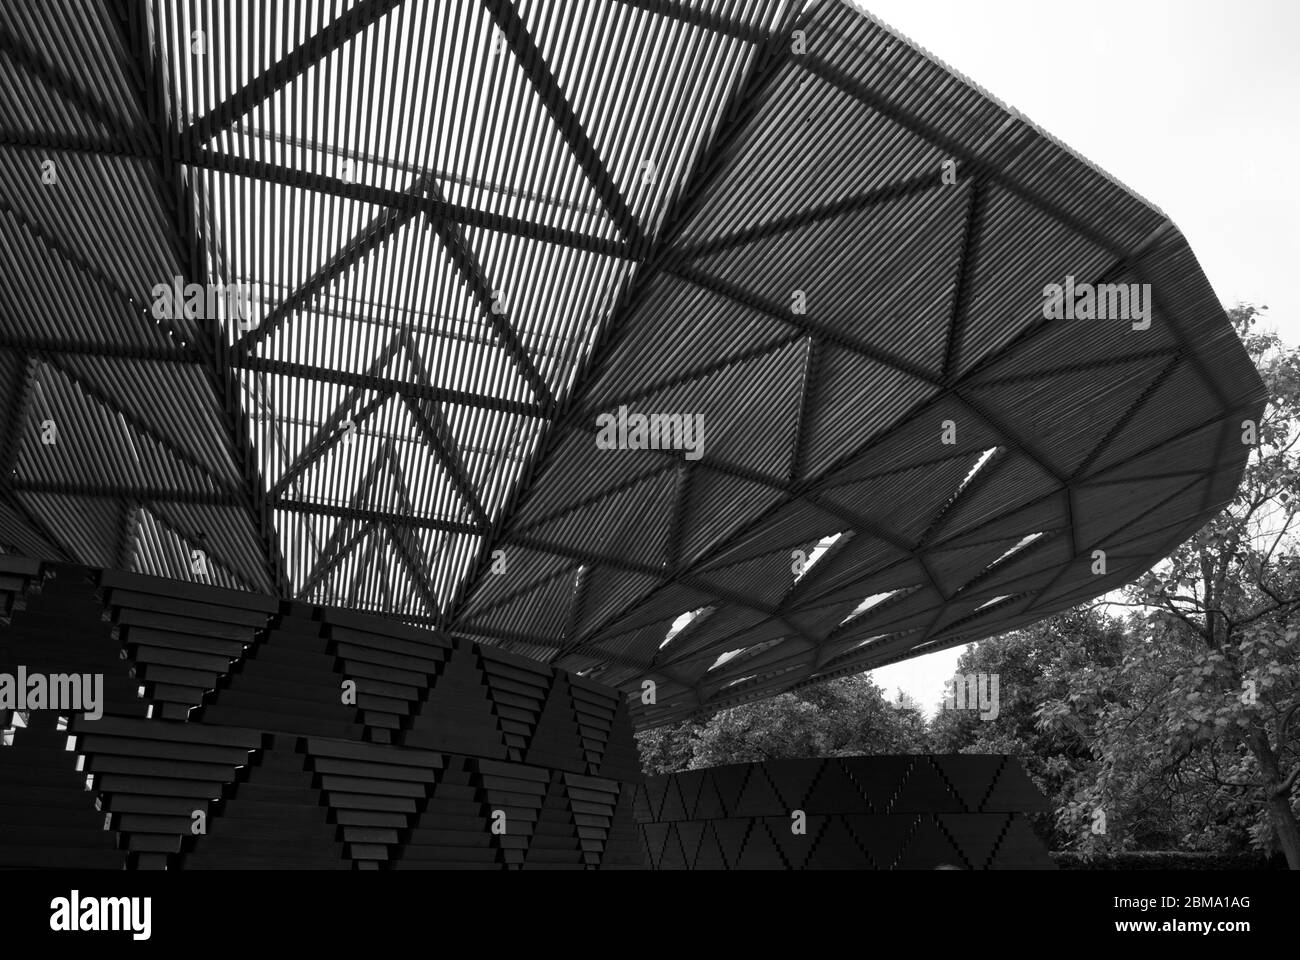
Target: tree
<point>1038,664</point>
<point>1219,673</point>
<point>843,717</point>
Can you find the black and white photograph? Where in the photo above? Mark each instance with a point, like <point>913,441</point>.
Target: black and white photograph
<point>453,438</point>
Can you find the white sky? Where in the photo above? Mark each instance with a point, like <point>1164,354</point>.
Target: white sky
<point>1194,104</point>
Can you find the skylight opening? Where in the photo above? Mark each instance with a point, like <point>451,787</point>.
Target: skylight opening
<point>1017,548</point>
<point>682,622</point>
<point>980,464</point>
<point>729,655</point>
<point>872,601</point>
<point>819,551</point>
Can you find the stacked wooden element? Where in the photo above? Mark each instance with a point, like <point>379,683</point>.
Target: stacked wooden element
<point>848,813</point>
<point>239,731</point>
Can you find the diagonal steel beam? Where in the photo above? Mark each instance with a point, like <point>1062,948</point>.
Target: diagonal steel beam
<point>370,238</point>
<point>698,16</point>
<point>805,322</point>
<point>437,431</point>
<point>965,276</point>
<point>326,437</point>
<point>462,257</point>
<point>131,421</point>
<point>331,555</point>
<point>285,70</point>
<point>220,162</point>
<point>548,89</point>
<point>334,550</point>
<point>36,64</point>
<point>196,538</point>
<point>403,538</point>
<point>903,189</point>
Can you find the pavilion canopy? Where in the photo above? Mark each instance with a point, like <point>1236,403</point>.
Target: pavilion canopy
<point>443,237</point>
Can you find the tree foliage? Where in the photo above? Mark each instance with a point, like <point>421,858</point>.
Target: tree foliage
<point>843,717</point>
<point>1205,705</point>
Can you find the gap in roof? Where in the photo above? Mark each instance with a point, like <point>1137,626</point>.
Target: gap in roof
<point>980,463</point>
<point>819,551</point>
<point>872,601</point>
<point>729,655</point>
<point>1024,542</point>
<point>989,603</point>
<point>682,622</point>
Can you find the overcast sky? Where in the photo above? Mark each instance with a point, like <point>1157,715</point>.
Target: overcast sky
<point>1194,104</point>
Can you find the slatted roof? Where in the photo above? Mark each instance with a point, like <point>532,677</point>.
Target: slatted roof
<point>458,231</point>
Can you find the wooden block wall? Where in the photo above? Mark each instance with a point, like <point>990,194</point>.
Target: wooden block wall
<point>226,741</point>
<point>860,813</point>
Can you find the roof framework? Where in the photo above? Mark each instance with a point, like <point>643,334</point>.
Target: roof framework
<point>466,229</point>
